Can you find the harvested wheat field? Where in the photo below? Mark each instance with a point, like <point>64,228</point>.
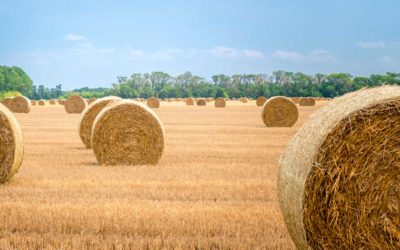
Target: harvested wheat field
<point>214,187</point>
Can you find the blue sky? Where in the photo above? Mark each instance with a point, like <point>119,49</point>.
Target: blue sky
<point>91,42</point>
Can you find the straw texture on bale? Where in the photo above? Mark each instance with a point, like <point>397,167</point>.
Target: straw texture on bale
<point>260,101</point>
<point>244,100</point>
<point>339,180</point>
<point>11,145</point>
<point>42,103</point>
<point>189,101</point>
<point>296,99</point>
<point>91,100</point>
<point>89,115</point>
<point>279,111</point>
<point>52,102</point>
<point>127,133</point>
<point>219,102</point>
<point>201,102</point>
<point>307,101</point>
<point>20,104</point>
<point>75,104</point>
<point>153,102</point>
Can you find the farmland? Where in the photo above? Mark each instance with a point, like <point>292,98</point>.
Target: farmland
<point>215,185</point>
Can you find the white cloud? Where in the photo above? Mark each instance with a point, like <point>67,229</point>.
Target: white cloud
<point>136,53</point>
<point>288,55</point>
<point>321,55</point>
<point>372,44</point>
<point>222,51</point>
<point>253,54</point>
<point>74,37</point>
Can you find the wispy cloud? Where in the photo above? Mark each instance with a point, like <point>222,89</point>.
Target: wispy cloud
<point>321,55</point>
<point>253,54</point>
<point>74,37</point>
<point>372,44</point>
<point>288,55</point>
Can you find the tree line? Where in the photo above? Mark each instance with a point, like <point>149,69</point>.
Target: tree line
<point>163,85</point>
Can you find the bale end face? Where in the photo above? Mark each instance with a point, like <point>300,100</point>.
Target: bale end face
<point>279,111</point>
<point>201,102</point>
<point>75,104</point>
<point>220,102</point>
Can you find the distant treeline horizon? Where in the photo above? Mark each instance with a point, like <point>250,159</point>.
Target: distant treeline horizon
<point>14,81</point>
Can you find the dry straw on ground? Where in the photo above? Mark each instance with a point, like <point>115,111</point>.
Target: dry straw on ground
<point>52,101</point>
<point>307,101</point>
<point>220,102</point>
<point>75,104</point>
<point>11,146</point>
<point>339,181</point>
<point>127,133</point>
<point>279,111</point>
<point>260,101</point>
<point>42,102</point>
<point>20,104</point>
<point>153,102</point>
<point>189,101</point>
<point>89,115</point>
<point>201,102</point>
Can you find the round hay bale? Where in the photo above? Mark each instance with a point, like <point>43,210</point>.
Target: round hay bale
<point>52,102</point>
<point>201,102</point>
<point>61,101</point>
<point>209,99</point>
<point>127,133</point>
<point>75,104</point>
<point>11,145</point>
<point>220,102</point>
<point>260,101</point>
<point>307,101</point>
<point>7,102</point>
<point>244,100</point>
<point>91,100</point>
<point>189,101</point>
<point>89,115</point>
<point>42,102</point>
<point>33,102</point>
<point>279,111</point>
<point>339,179</point>
<point>153,102</point>
<point>20,104</point>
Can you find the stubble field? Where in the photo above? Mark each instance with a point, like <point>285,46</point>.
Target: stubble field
<point>215,186</point>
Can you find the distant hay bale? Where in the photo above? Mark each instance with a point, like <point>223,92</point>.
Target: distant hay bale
<point>260,101</point>
<point>52,102</point>
<point>153,102</point>
<point>89,115</point>
<point>75,104</point>
<point>339,179</point>
<point>7,102</point>
<point>91,100</point>
<point>33,103</point>
<point>209,99</point>
<point>20,104</point>
<point>279,111</point>
<point>189,101</point>
<point>201,102</point>
<point>11,145</point>
<point>127,133</point>
<point>307,101</point>
<point>296,99</point>
<point>42,102</point>
<point>61,101</point>
<point>244,100</point>
<point>220,102</point>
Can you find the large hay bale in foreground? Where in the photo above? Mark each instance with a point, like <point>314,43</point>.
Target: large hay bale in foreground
<point>89,115</point>
<point>11,145</point>
<point>189,101</point>
<point>127,133</point>
<point>307,101</point>
<point>42,102</point>
<point>219,102</point>
<point>153,102</point>
<point>339,180</point>
<point>260,101</point>
<point>20,104</point>
<point>52,101</point>
<point>91,100</point>
<point>75,104</point>
<point>201,102</point>
<point>279,111</point>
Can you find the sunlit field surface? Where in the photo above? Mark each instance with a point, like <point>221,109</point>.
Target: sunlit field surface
<point>215,186</point>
